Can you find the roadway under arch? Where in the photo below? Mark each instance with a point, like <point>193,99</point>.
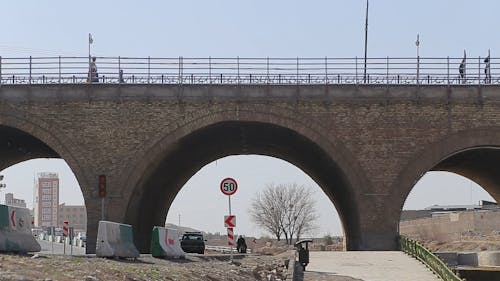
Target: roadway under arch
<point>167,173</point>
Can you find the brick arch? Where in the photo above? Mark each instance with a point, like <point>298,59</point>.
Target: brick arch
<point>446,154</point>
<point>53,138</point>
<point>279,117</point>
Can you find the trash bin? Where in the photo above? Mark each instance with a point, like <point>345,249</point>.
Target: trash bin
<point>303,252</point>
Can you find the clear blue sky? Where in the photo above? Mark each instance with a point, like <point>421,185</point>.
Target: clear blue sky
<point>255,28</point>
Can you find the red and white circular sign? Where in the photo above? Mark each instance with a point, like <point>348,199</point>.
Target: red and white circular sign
<point>228,186</point>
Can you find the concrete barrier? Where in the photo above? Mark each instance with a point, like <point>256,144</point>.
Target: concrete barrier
<point>165,243</point>
<point>486,258</point>
<point>450,258</point>
<point>115,240</point>
<point>15,230</point>
<point>489,258</point>
<point>469,259</point>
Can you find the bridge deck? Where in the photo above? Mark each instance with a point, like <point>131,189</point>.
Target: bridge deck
<point>367,266</point>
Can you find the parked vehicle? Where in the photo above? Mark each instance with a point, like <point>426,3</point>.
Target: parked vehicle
<point>193,242</point>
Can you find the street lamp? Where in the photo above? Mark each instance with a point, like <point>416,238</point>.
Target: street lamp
<point>366,40</point>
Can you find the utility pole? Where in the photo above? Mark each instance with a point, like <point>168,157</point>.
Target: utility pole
<point>366,40</point>
<point>417,43</point>
<point>91,40</point>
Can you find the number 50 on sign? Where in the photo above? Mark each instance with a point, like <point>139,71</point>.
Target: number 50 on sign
<point>228,186</point>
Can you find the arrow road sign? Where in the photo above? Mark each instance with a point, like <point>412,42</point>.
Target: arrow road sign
<point>230,221</point>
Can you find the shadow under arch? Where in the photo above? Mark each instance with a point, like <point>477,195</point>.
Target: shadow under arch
<point>473,154</point>
<point>171,169</point>
<point>22,138</point>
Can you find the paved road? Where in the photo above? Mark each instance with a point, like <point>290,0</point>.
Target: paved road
<point>366,266</point>
<point>58,248</point>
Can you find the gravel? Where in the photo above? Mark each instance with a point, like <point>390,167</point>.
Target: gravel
<point>194,267</point>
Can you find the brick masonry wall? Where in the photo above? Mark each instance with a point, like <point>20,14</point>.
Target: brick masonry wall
<point>384,131</point>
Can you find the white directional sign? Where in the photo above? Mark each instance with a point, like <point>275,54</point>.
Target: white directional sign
<point>230,221</point>
<point>228,186</point>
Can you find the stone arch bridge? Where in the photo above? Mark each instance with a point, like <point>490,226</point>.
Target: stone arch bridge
<point>365,145</point>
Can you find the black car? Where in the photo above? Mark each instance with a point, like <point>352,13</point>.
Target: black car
<point>193,242</point>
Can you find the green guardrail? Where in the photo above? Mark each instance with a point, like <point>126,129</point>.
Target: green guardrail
<point>418,251</point>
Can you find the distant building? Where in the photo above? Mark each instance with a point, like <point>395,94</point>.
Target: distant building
<point>11,201</point>
<point>75,215</point>
<point>438,210</point>
<point>46,199</point>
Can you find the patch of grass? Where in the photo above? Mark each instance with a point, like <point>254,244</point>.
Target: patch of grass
<point>77,260</point>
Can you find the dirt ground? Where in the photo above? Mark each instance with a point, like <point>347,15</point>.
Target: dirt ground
<point>466,244</point>
<point>194,267</point>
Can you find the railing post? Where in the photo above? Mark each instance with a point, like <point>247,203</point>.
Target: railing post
<point>297,78</point>
<point>267,70</point>
<point>180,69</point>
<point>210,69</point>
<point>418,69</point>
<point>30,71</point>
<point>387,70</point>
<point>149,69</point>
<point>59,69</point>
<point>238,69</point>
<point>448,70</point>
<point>479,70</point>
<point>120,74</point>
<point>356,63</point>
<point>326,70</point>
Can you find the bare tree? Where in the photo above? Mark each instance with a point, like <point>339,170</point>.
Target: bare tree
<point>267,210</point>
<point>285,209</point>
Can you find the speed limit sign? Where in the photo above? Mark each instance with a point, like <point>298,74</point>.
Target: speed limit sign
<point>228,186</point>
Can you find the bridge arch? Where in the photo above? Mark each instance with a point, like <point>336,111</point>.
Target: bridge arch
<point>472,153</point>
<point>171,161</point>
<point>23,137</point>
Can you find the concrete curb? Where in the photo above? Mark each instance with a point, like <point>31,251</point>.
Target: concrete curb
<point>290,273</point>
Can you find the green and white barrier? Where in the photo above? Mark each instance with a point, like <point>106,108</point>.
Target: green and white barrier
<point>165,243</point>
<point>115,240</point>
<point>15,230</point>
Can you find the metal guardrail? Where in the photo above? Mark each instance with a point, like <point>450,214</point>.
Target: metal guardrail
<point>224,249</point>
<point>418,251</point>
<point>240,70</point>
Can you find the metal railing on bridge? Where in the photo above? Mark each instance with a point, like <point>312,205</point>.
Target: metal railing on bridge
<point>417,250</point>
<point>240,70</point>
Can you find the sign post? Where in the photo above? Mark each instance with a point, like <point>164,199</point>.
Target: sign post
<point>65,235</point>
<point>228,186</point>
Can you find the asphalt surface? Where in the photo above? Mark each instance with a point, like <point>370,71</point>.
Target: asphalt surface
<point>366,266</point>
<point>49,248</point>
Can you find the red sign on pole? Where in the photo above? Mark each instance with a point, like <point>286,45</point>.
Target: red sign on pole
<point>230,221</point>
<point>12,216</point>
<point>228,186</point>
<point>65,229</point>
<point>230,236</point>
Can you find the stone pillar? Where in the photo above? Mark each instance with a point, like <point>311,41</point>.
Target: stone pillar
<point>93,216</point>
<point>379,220</point>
